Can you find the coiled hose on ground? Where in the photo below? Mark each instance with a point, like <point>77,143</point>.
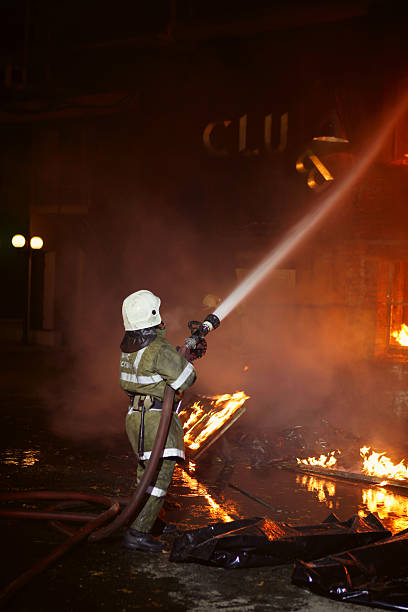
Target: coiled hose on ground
<point>96,527</point>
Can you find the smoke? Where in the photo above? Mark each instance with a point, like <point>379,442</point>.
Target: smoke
<point>310,221</point>
<point>304,362</point>
<point>139,248</point>
<point>293,349</point>
<point>303,339</point>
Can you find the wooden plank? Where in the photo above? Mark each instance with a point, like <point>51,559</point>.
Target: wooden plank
<point>193,455</point>
<point>342,475</point>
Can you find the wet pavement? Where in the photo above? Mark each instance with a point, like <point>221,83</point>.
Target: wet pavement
<point>106,576</point>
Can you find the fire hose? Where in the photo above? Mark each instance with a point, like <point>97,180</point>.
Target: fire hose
<point>99,527</point>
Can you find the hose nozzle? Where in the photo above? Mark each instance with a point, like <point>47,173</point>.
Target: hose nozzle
<point>196,343</point>
<point>210,322</point>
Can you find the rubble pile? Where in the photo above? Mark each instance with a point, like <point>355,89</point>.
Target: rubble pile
<point>268,446</point>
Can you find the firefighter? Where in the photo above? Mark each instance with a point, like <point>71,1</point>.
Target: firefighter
<point>148,363</point>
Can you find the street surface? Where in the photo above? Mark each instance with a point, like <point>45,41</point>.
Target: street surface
<point>106,576</point>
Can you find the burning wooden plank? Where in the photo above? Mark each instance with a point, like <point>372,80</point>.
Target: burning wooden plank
<point>378,464</point>
<point>343,475</point>
<point>208,418</point>
<point>376,469</point>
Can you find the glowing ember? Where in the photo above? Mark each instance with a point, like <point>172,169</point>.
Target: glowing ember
<point>378,464</point>
<point>401,336</point>
<point>326,461</point>
<point>203,422</point>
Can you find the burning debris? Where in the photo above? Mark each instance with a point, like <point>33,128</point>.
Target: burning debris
<point>378,464</point>
<point>375,464</point>
<point>208,418</point>
<point>269,446</point>
<point>340,455</point>
<point>324,460</point>
<point>321,444</point>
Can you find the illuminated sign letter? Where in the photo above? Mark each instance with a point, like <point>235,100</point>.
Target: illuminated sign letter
<point>242,137</point>
<point>283,133</point>
<point>318,169</point>
<point>208,130</point>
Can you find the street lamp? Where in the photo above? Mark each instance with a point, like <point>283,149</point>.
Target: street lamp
<point>18,241</point>
<point>36,243</point>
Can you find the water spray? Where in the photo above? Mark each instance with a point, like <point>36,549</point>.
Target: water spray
<point>307,224</point>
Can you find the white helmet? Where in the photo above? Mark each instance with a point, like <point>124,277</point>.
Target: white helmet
<point>140,310</point>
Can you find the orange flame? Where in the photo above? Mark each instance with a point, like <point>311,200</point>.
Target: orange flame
<point>196,412</point>
<point>326,461</point>
<point>202,423</point>
<point>378,464</point>
<point>374,464</point>
<point>401,336</point>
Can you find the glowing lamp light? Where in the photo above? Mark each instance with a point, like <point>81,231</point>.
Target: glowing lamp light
<point>18,241</point>
<point>36,243</point>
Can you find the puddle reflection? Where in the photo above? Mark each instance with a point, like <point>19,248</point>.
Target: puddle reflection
<point>391,508</point>
<point>325,489</point>
<point>216,512</point>
<point>20,458</point>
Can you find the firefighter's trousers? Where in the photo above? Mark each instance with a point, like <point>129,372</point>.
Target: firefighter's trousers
<point>155,494</point>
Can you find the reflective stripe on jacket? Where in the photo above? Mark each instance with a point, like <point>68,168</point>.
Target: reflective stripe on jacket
<point>148,370</point>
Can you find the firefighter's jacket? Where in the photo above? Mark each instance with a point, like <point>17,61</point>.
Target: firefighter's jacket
<point>145,372</point>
